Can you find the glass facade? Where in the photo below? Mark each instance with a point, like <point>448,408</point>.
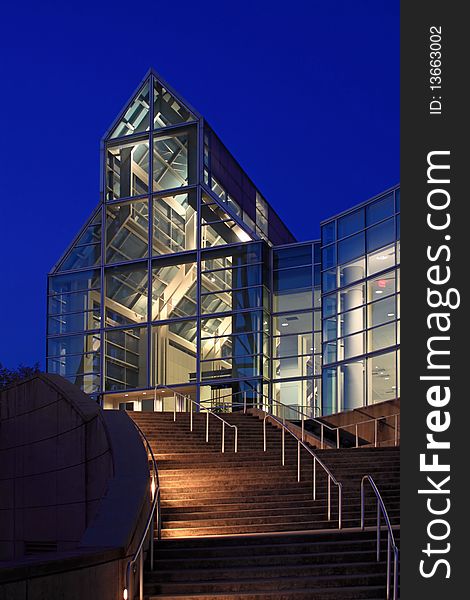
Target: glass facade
<point>361,305</point>
<point>185,276</point>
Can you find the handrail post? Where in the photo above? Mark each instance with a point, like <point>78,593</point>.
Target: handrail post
<point>283,446</point>
<point>396,430</point>
<point>337,437</point>
<point>340,506</point>
<point>375,433</point>
<point>191,416</point>
<point>357,439</point>
<point>264,434</point>
<point>321,434</point>
<point>174,407</point>
<point>141,575</point>
<point>303,427</point>
<point>207,427</point>
<point>223,437</point>
<point>236,439</point>
<point>362,505</point>
<point>329,498</point>
<point>378,530</point>
<point>314,477</point>
<point>395,574</point>
<point>388,566</point>
<point>244,402</point>
<point>298,461</point>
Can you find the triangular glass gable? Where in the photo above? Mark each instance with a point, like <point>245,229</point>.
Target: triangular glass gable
<point>167,110</point>
<point>87,249</point>
<point>136,118</point>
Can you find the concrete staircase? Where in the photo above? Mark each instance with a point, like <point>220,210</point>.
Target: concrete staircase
<point>242,526</point>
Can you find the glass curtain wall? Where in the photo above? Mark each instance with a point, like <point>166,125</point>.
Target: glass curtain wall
<point>296,340</point>
<point>360,305</point>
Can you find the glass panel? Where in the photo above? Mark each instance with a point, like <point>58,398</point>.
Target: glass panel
<point>293,345</point>
<point>329,305</point>
<point>73,357</point>
<point>167,110</point>
<point>351,247</point>
<point>330,329</point>
<point>173,288</point>
<point>382,337</point>
<point>233,300</point>
<point>86,251</point>
<point>352,321</point>
<point>74,302</point>
<point>381,260</point>
<point>329,256</point>
<point>351,272</point>
<point>329,391</point>
<point>126,294</point>
<point>292,257</point>
<point>126,359</point>
<point>174,223</point>
<point>329,280</point>
<point>127,170</point>
<point>382,311</point>
<point>352,383</point>
<point>380,210</point>
<point>381,286</point>
<point>174,353</point>
<point>328,233</point>
<point>382,378</point>
<point>352,297</point>
<point>173,161</point>
<point>351,223</point>
<point>329,352</point>
<point>283,301</point>
<point>351,346</point>
<point>381,235</point>
<point>127,231</point>
<point>136,117</point>
<point>292,279</point>
<point>292,323</point>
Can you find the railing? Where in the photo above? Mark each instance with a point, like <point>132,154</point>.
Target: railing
<point>391,545</point>
<point>301,443</point>
<point>187,399</point>
<point>138,556</point>
<point>335,432</point>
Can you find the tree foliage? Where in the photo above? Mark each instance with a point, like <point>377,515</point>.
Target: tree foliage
<point>9,376</point>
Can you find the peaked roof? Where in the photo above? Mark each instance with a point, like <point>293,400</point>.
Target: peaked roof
<point>139,108</point>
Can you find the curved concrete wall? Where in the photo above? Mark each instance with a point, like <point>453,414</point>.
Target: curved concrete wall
<point>73,481</point>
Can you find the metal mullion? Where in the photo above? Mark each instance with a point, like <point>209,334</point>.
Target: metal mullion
<point>200,180</point>
<point>150,236</point>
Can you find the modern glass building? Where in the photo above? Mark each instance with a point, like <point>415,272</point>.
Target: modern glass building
<point>185,277</point>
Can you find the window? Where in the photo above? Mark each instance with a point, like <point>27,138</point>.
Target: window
<point>126,294</point>
<point>174,160</point>
<point>126,359</point>
<point>380,210</point>
<point>351,223</point>
<point>127,170</point>
<point>136,117</point>
<point>174,223</point>
<point>127,231</point>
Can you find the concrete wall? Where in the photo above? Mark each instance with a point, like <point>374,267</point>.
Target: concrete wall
<point>55,464</point>
<point>75,478</point>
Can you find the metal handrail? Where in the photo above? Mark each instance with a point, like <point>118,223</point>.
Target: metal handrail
<point>304,416</point>
<point>156,505</point>
<point>391,545</point>
<point>208,412</point>
<point>331,477</point>
<point>339,427</point>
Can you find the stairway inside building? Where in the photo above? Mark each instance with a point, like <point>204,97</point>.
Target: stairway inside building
<point>240,525</point>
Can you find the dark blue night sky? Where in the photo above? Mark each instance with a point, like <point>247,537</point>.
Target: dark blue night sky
<point>305,94</point>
